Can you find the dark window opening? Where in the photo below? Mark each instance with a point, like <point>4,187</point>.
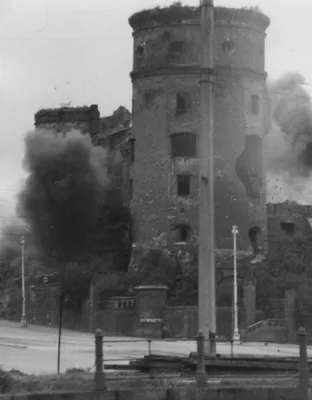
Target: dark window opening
<point>254,104</point>
<point>288,228</point>
<point>183,103</point>
<point>176,48</point>
<point>140,50</point>
<point>254,237</point>
<point>149,95</point>
<point>166,35</point>
<point>183,145</point>
<point>183,185</point>
<point>228,46</point>
<point>182,232</point>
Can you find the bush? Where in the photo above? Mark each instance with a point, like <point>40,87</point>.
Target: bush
<point>6,382</point>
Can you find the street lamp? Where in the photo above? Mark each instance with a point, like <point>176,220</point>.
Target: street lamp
<point>236,336</point>
<point>23,319</point>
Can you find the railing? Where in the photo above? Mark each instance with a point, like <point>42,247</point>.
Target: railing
<point>198,356</point>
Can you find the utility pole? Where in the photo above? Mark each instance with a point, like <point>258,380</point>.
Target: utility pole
<point>23,319</point>
<point>236,336</point>
<point>206,259</point>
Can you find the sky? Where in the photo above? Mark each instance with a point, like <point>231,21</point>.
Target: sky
<point>59,51</point>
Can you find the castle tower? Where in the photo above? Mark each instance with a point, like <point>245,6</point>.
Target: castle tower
<point>165,125</point>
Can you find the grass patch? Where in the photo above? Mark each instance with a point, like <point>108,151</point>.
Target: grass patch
<point>76,380</point>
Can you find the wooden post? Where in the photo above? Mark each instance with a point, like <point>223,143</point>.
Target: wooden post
<point>212,341</point>
<point>99,370</point>
<point>201,370</point>
<point>303,359</point>
<point>61,303</point>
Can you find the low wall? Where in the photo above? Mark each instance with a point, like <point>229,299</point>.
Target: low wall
<point>115,322</point>
<point>269,330</point>
<point>182,322</point>
<point>189,393</point>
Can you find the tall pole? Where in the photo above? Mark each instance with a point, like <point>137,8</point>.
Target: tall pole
<point>206,259</point>
<point>23,319</point>
<point>61,300</point>
<point>236,337</point>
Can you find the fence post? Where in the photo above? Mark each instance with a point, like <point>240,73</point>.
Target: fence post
<point>232,347</point>
<point>303,359</point>
<point>212,340</point>
<point>99,369</point>
<point>201,371</point>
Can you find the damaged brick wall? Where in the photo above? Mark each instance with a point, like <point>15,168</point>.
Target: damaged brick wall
<point>166,63</point>
<point>84,119</point>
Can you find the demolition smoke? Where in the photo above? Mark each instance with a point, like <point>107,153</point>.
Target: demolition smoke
<point>64,195</point>
<point>288,147</point>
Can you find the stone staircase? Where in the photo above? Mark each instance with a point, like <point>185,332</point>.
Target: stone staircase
<point>268,330</point>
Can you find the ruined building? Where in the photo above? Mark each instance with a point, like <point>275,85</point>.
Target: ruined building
<point>113,132</point>
<point>165,123</point>
<point>158,143</point>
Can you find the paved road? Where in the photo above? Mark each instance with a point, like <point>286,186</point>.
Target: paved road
<point>33,350</point>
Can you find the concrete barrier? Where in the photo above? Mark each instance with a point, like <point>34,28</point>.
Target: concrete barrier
<point>187,393</point>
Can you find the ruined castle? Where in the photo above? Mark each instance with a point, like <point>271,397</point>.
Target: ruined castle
<point>158,141</point>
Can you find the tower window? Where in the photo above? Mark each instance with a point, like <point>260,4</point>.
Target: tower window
<point>176,48</point>
<point>254,234</point>
<point>149,95</point>
<point>184,183</point>
<point>288,228</point>
<point>183,144</point>
<point>254,104</point>
<point>182,232</point>
<point>228,46</point>
<point>183,103</point>
<point>140,49</point>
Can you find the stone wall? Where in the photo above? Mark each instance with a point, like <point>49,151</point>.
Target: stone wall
<point>182,322</point>
<point>115,322</point>
<point>84,119</point>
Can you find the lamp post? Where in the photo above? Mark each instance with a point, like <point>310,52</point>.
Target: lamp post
<point>23,319</point>
<point>236,336</point>
<point>206,250</point>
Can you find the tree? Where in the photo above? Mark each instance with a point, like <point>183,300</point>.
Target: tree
<point>289,266</point>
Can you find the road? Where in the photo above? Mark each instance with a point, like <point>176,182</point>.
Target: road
<point>33,350</point>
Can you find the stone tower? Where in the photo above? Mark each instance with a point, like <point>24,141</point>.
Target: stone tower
<point>165,125</point>
<point>84,119</point>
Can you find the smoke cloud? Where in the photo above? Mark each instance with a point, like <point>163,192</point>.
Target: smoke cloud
<point>288,147</point>
<point>64,194</point>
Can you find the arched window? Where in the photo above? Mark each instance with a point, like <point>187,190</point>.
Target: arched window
<point>254,234</point>
<point>183,144</point>
<point>183,103</point>
<point>182,232</point>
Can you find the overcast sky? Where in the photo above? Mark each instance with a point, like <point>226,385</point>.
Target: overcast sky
<point>56,51</point>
